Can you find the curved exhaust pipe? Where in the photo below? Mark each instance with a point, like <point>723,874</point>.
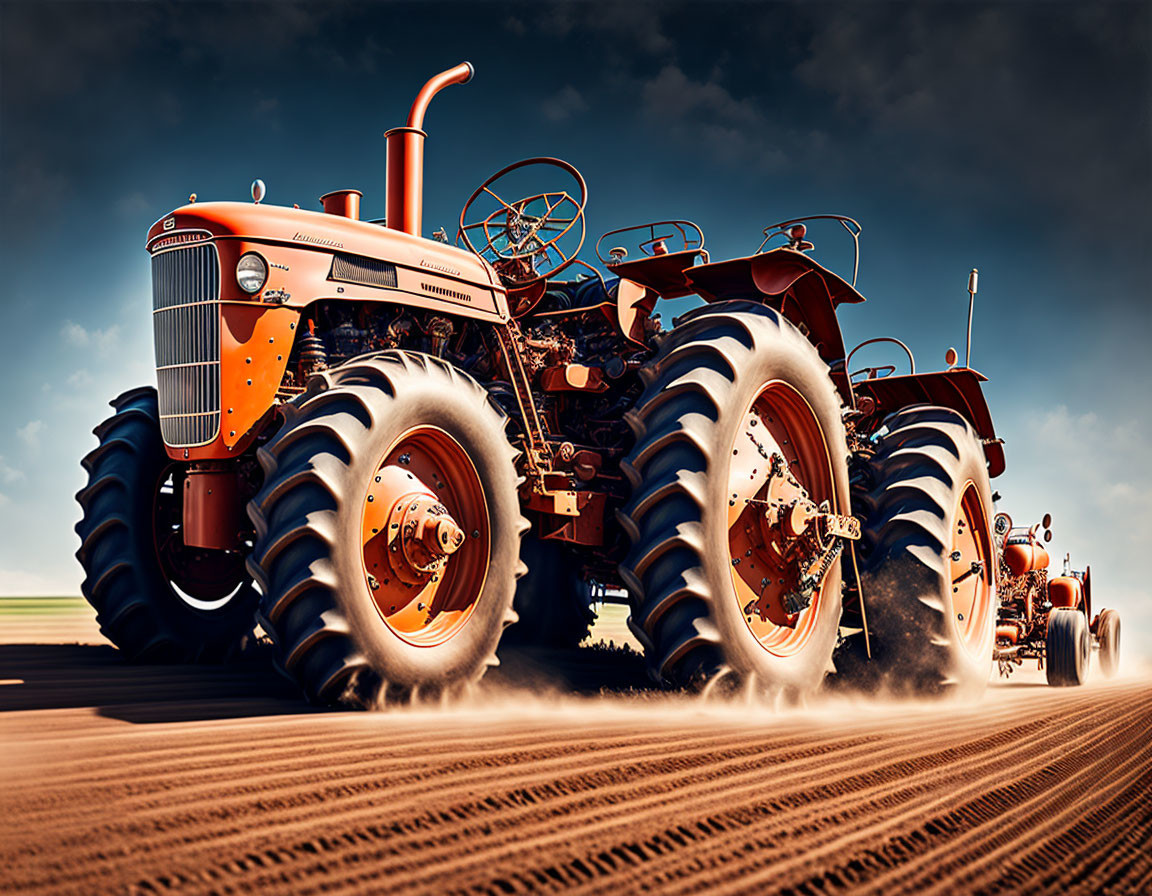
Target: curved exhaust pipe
<point>405,172</point>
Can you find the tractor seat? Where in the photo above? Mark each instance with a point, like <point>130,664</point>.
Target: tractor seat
<point>576,295</point>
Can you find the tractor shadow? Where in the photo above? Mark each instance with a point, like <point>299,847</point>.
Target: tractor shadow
<point>72,676</point>
<point>82,676</point>
<point>599,669</point>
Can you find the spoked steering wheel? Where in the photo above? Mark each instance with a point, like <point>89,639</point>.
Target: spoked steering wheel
<point>530,238</point>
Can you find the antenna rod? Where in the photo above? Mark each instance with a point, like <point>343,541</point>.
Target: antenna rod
<point>972,278</point>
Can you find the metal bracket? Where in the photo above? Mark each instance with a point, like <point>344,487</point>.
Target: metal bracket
<point>536,451</point>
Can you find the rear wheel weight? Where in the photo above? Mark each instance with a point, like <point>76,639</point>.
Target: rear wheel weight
<point>355,613</point>
<point>155,599</point>
<point>927,559</point>
<point>732,378</point>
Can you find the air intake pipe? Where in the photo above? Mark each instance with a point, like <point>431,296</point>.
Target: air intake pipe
<point>405,176</point>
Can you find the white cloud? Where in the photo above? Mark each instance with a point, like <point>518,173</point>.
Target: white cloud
<point>563,104</point>
<point>74,334</point>
<point>24,582</point>
<point>1089,471</point>
<point>8,474</point>
<point>104,341</point>
<point>80,379</point>
<point>29,433</point>
<point>4,499</point>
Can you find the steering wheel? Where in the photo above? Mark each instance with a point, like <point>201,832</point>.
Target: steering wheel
<point>527,239</point>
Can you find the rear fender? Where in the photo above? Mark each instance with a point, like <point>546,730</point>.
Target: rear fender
<point>802,290</point>
<point>957,389</point>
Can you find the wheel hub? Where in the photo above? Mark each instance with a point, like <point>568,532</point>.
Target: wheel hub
<point>421,535</point>
<point>783,533</point>
<point>425,537</point>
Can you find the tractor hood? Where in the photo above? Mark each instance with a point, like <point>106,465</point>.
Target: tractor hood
<point>299,229</point>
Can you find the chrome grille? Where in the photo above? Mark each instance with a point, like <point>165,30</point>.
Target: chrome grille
<point>186,329</point>
<point>368,271</point>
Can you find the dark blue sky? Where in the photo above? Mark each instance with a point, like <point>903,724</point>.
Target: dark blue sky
<point>1013,137</point>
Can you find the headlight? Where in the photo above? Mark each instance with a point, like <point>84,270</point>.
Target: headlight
<point>251,272</point>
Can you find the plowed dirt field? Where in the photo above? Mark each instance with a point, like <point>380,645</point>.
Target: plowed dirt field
<point>163,779</point>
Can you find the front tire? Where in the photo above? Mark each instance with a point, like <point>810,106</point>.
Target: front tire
<point>931,612</point>
<point>1108,636</point>
<point>155,599</point>
<point>730,379</point>
<point>349,626</point>
<point>1068,649</point>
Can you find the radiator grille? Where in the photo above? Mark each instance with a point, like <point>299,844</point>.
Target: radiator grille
<point>186,329</point>
<point>366,271</point>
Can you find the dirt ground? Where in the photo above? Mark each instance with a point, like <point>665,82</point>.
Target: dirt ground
<point>158,779</point>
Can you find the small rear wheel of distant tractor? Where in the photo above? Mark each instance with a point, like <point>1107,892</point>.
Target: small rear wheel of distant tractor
<point>388,532</point>
<point>553,602</point>
<point>927,558</point>
<point>1108,637</point>
<point>155,599</point>
<point>738,437</point>
<point>1068,648</point>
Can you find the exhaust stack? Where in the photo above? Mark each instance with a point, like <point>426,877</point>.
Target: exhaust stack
<point>345,203</point>
<point>405,173</point>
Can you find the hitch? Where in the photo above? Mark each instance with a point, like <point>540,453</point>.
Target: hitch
<point>791,518</point>
<point>840,529</point>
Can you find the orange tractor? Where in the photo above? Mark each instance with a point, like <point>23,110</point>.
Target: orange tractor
<point>434,442</point>
<point>1048,619</point>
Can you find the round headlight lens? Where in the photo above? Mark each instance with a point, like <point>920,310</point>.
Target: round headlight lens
<point>251,272</point>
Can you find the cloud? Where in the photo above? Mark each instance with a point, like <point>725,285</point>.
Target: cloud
<point>74,334</point>
<point>8,474</point>
<point>26,582</point>
<point>564,104</point>
<point>104,341</point>
<point>638,25</point>
<point>29,433</point>
<point>80,379</point>
<point>1044,96</point>
<point>133,205</point>
<point>1089,470</point>
<point>706,114</point>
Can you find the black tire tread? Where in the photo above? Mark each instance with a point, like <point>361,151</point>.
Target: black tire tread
<point>667,467</point>
<point>905,499</point>
<point>295,519</point>
<point>1108,632</point>
<point>123,586</point>
<point>1067,637</point>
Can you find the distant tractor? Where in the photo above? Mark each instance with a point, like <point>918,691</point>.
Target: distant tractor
<point>413,427</point>
<point>1049,620</point>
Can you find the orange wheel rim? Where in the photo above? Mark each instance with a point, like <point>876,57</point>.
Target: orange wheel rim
<point>971,569</point>
<point>779,421</point>
<point>424,494</point>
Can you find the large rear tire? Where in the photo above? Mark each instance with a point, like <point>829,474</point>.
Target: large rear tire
<point>155,599</point>
<point>730,378</point>
<point>1108,636</point>
<point>353,620</point>
<point>931,613</point>
<point>1068,648</point>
